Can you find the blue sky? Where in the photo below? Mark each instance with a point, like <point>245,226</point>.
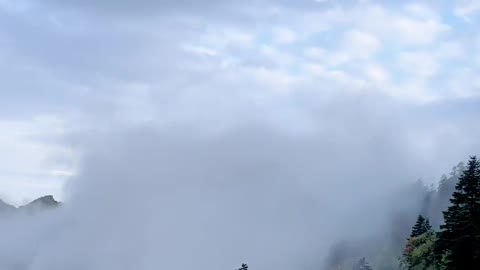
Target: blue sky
<point>72,70</point>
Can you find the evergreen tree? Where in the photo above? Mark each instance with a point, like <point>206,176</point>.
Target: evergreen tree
<point>458,246</point>
<point>362,264</point>
<point>418,253</point>
<point>427,226</point>
<point>446,187</point>
<point>442,183</point>
<point>244,267</point>
<point>421,226</point>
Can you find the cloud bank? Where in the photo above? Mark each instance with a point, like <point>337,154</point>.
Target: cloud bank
<point>214,133</point>
<point>179,199</point>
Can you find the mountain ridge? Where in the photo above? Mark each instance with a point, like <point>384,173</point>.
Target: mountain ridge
<point>44,202</point>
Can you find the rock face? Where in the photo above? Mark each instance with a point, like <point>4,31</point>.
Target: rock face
<point>45,201</point>
<point>42,203</point>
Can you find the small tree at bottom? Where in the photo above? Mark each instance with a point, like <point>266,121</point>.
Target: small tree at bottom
<point>362,264</point>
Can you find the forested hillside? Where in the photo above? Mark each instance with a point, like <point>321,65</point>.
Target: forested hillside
<point>441,233</point>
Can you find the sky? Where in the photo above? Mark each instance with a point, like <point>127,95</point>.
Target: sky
<point>390,83</point>
<point>206,134</point>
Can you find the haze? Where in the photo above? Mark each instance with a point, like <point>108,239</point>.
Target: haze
<point>207,134</point>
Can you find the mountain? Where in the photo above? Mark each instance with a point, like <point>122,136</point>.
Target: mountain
<point>6,209</point>
<point>42,203</point>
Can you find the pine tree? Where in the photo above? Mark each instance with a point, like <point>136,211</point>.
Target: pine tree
<point>458,245</point>
<point>427,225</point>
<point>446,187</point>
<point>418,253</point>
<point>362,264</point>
<point>421,226</point>
<point>244,267</point>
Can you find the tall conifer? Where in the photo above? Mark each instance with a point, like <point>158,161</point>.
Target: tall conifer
<point>459,240</point>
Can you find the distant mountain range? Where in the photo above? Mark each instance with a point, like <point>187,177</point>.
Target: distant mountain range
<point>45,202</point>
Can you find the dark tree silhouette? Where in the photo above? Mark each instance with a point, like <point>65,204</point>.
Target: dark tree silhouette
<point>421,226</point>
<point>244,267</point>
<point>458,246</point>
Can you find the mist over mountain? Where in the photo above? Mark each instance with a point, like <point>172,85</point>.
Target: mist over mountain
<point>42,203</point>
<point>5,207</point>
<point>218,224</point>
<point>149,197</point>
<point>218,134</point>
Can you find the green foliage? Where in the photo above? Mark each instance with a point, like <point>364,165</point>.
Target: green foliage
<point>455,247</point>
<point>458,246</point>
<point>419,252</point>
<point>423,251</point>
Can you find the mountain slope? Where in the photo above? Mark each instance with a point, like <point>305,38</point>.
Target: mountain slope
<point>42,203</point>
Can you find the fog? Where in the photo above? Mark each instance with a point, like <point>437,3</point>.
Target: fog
<point>213,133</point>
<point>182,197</point>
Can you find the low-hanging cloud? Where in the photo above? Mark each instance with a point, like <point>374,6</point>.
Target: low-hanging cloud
<point>183,197</point>
<point>200,153</point>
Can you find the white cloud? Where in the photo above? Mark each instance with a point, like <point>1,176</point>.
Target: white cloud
<point>29,148</point>
<point>413,90</point>
<point>418,32</point>
<point>274,80</point>
<point>275,55</point>
<point>360,44</point>
<point>284,35</point>
<point>228,37</point>
<point>466,8</point>
<point>335,79</point>
<point>377,74</point>
<point>416,26</point>
<point>422,12</point>
<point>354,45</point>
<point>315,53</point>
<point>242,51</point>
<point>450,50</point>
<point>312,22</point>
<point>61,173</point>
<point>419,64</point>
<point>463,83</point>
<point>200,50</point>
